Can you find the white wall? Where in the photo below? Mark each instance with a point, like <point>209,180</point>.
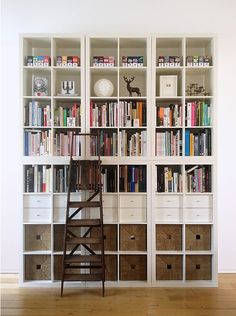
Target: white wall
<point>117,17</point>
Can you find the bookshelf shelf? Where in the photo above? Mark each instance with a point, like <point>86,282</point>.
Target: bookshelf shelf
<point>156,203</point>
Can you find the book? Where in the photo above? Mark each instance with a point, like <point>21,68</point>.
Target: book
<point>39,86</point>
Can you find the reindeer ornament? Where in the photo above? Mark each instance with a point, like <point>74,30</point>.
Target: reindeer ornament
<point>132,89</point>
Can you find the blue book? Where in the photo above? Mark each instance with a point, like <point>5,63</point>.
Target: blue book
<point>187,142</point>
<point>132,189</point>
<point>26,144</point>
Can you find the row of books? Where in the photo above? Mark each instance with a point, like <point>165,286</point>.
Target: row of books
<point>133,144</point>
<point>109,179</point>
<point>37,114</point>
<point>105,114</point>
<point>198,143</point>
<point>197,113</point>
<point>60,179</point>
<point>198,179</point>
<point>170,115</point>
<point>62,144</point>
<point>37,143</point>
<point>169,143</point>
<point>169,179</point>
<point>107,144</point>
<point>132,178</point>
<point>37,178</point>
<point>132,113</point>
<point>69,116</point>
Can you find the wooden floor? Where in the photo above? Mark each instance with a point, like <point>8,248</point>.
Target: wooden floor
<point>219,301</point>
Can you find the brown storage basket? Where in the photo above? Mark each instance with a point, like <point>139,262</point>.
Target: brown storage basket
<point>58,263</point>
<point>37,237</point>
<point>198,237</point>
<point>168,237</point>
<point>133,237</point>
<point>110,268</point>
<point>169,267</point>
<point>133,267</point>
<point>37,267</point>
<point>59,237</point>
<point>110,237</point>
<point>198,267</point>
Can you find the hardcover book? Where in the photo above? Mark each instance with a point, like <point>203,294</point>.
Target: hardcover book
<point>40,86</point>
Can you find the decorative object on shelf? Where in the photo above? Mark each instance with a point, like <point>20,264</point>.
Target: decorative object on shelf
<point>103,61</point>
<point>168,86</point>
<point>132,89</point>
<point>38,61</point>
<point>103,88</point>
<point>68,61</point>
<point>193,89</point>
<point>132,61</point>
<point>40,86</point>
<point>68,87</point>
<point>200,61</point>
<point>168,61</point>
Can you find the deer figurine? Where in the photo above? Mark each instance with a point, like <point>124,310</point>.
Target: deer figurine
<point>131,89</point>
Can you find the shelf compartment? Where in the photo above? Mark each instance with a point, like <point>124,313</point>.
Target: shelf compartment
<point>37,237</point>
<point>110,237</point>
<point>104,47</point>
<point>167,47</point>
<point>169,113</point>
<point>168,237</point>
<point>98,74</point>
<point>37,178</point>
<point>198,178</point>
<point>37,46</point>
<point>168,75</point>
<point>103,113</point>
<point>111,268</point>
<point>37,113</point>
<point>109,178</point>
<point>62,141</point>
<point>201,46</point>
<point>168,142</point>
<point>37,215</point>
<point>132,178</point>
<point>196,215</point>
<point>169,178</point>
<point>37,267</point>
<point>169,267</point>
<point>133,142</point>
<point>43,77</point>
<point>108,142</point>
<point>57,267</point>
<point>133,113</point>
<point>198,142</point>
<point>133,267</point>
<point>133,237</point>
<point>67,113</point>
<point>198,267</point>
<point>132,82</point>
<point>200,78</point>
<point>67,83</point>
<point>66,47</point>
<point>133,47</point>
<point>58,237</point>
<point>198,237</point>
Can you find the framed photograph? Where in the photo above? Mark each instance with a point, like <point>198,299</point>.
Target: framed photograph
<point>168,86</point>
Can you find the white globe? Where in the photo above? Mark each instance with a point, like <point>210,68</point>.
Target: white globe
<point>103,88</point>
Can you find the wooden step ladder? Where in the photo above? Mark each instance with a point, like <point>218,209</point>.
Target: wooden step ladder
<point>80,261</point>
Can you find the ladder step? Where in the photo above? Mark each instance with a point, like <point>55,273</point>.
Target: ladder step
<point>84,266</point>
<point>86,240</point>
<point>83,222</point>
<point>83,204</point>
<point>79,259</point>
<point>83,277</point>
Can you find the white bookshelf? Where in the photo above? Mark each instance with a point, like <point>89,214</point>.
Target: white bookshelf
<point>150,233</point>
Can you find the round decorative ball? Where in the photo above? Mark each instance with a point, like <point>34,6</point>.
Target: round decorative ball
<point>103,88</point>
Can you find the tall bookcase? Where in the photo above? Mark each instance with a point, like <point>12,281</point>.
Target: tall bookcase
<point>152,100</point>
